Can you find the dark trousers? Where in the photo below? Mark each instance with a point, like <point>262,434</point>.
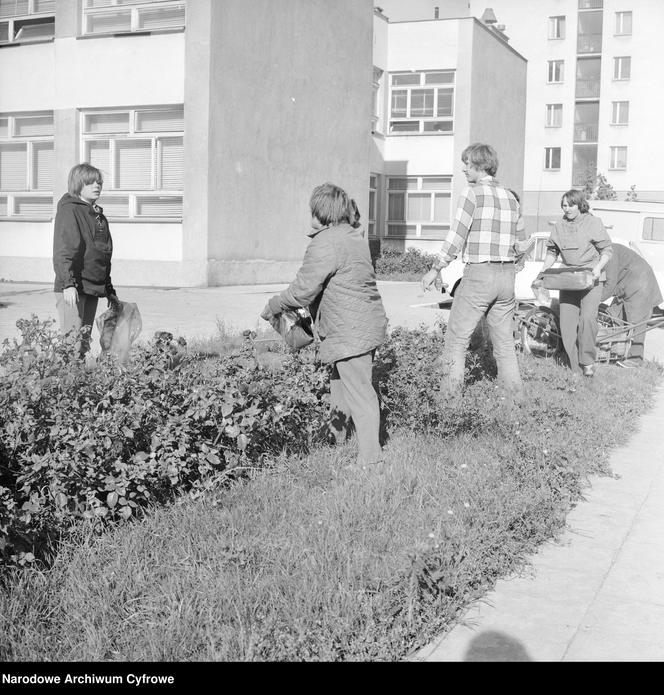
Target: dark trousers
<point>74,318</point>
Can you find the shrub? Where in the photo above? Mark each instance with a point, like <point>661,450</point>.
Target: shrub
<point>103,444</point>
<point>413,262</point>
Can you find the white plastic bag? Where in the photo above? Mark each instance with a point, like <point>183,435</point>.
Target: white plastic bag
<point>119,328</point>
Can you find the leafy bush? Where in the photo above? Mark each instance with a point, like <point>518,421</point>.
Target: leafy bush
<point>413,262</point>
<point>103,444</point>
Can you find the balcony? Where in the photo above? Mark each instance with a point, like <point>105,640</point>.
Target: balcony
<point>587,88</point>
<point>591,4</point>
<point>589,43</point>
<point>586,132</point>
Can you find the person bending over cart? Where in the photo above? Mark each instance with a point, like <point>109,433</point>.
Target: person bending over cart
<point>632,283</point>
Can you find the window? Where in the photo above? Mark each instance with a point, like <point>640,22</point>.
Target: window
<point>373,204</point>
<point>589,38</point>
<point>26,165</point>
<point>554,115</point>
<point>26,20</point>
<point>141,154</point>
<point>422,102</point>
<point>618,158</point>
<point>128,16</point>
<point>552,158</point>
<point>418,206</point>
<point>556,71</point>
<point>653,229</point>
<point>623,23</point>
<point>620,113</point>
<point>556,27</point>
<point>622,68</point>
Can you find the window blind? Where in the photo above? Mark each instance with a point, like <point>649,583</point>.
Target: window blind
<point>172,164</point>
<point>13,166</point>
<point>29,126</point>
<point>106,123</point>
<point>163,120</point>
<point>98,153</point>
<point>161,17</point>
<point>159,206</point>
<point>133,164</point>
<point>115,206</point>
<point>109,22</point>
<point>14,8</point>
<point>3,206</point>
<point>33,207</point>
<point>43,164</point>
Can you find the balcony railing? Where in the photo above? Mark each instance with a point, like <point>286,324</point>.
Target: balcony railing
<point>585,132</point>
<point>587,88</point>
<point>589,43</point>
<point>591,4</point>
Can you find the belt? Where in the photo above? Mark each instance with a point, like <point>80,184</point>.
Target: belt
<point>498,262</point>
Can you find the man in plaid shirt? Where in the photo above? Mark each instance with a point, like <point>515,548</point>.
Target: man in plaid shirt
<point>485,232</point>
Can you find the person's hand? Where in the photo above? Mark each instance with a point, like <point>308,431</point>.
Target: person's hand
<point>596,273</point>
<point>113,302</point>
<point>70,296</point>
<point>430,279</point>
<point>267,314</point>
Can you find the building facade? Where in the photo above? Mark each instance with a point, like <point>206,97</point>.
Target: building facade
<point>439,85</point>
<point>595,88</point>
<point>212,120</point>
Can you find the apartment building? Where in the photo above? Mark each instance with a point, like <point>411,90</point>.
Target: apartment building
<point>439,84</point>
<point>212,120</point>
<point>594,96</point>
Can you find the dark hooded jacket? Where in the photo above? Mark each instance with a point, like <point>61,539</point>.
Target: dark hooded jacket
<point>82,248</point>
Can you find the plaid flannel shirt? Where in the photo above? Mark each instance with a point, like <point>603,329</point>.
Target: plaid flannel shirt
<point>486,226</point>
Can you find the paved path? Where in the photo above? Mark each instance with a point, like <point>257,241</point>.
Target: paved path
<point>199,312</point>
<point>596,594</point>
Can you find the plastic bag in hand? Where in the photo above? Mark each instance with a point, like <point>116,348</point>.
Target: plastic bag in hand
<point>295,327</point>
<point>118,328</point>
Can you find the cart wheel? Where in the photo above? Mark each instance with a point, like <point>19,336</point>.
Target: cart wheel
<point>540,333</point>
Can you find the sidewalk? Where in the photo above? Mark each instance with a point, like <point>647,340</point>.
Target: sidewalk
<point>199,312</point>
<point>596,594</point>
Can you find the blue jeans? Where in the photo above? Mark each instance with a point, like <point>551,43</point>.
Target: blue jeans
<point>486,289</point>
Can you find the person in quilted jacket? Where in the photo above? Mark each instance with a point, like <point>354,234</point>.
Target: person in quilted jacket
<point>82,250</point>
<point>337,283</point>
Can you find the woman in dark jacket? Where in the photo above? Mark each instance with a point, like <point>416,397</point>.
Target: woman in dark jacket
<point>337,281</point>
<point>82,250</point>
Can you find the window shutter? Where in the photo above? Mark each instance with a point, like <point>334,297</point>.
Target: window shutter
<point>13,166</point>
<point>42,166</point>
<point>133,164</point>
<point>442,208</point>
<point>98,153</point>
<point>172,164</point>
<point>396,206</point>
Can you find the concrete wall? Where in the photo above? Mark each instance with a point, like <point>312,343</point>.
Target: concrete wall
<point>498,102</point>
<point>290,109</point>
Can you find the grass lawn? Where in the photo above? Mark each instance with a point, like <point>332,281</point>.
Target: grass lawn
<point>315,559</point>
